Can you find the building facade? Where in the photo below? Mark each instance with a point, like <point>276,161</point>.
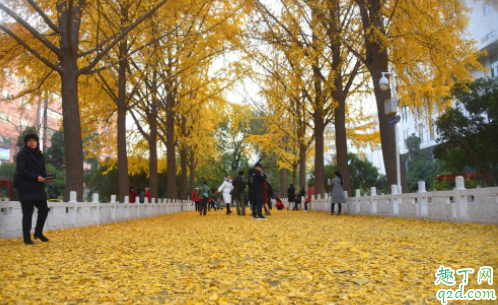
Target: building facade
<point>483,28</point>
<point>16,114</point>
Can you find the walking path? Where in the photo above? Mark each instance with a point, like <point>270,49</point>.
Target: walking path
<point>293,258</point>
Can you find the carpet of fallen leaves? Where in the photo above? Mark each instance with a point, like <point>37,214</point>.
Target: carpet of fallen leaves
<point>292,258</point>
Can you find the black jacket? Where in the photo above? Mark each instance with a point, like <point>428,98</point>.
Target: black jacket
<point>291,194</point>
<point>29,167</point>
<point>239,183</point>
<point>269,191</point>
<point>255,181</point>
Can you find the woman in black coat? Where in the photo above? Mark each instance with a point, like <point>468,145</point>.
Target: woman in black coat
<point>291,194</point>
<point>31,173</point>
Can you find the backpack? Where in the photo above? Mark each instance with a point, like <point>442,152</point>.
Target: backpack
<point>251,179</point>
<point>205,194</point>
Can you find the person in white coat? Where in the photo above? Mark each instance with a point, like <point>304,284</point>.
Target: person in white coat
<point>225,189</point>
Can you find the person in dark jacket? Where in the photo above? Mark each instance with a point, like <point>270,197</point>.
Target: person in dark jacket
<point>240,186</point>
<point>255,182</point>
<point>132,195</point>
<point>291,195</point>
<point>269,190</point>
<point>141,196</point>
<point>299,197</point>
<point>31,173</point>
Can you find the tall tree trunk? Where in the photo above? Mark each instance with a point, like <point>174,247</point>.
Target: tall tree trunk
<point>319,162</point>
<point>340,94</point>
<point>153,180</point>
<point>69,93</point>
<point>45,123</point>
<point>341,145</point>
<point>302,165</point>
<point>376,60</point>
<point>121,103</point>
<point>72,128</point>
<point>171,146</point>
<point>387,134</point>
<point>183,163</point>
<point>294,175</point>
<point>283,183</point>
<point>192,171</point>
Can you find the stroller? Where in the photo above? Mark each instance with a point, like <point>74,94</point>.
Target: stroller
<point>216,204</point>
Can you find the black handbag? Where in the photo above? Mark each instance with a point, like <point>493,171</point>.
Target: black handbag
<point>234,191</point>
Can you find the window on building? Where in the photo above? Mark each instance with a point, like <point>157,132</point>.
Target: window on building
<point>53,114</point>
<point>24,124</point>
<point>494,65</point>
<point>406,134</point>
<point>5,153</point>
<point>432,132</point>
<point>491,35</point>
<point>5,118</point>
<point>23,103</point>
<point>5,142</point>
<point>405,111</point>
<point>487,8</point>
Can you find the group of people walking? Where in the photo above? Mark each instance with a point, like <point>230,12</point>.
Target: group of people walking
<point>337,195</point>
<point>140,194</point>
<point>31,174</point>
<point>260,194</point>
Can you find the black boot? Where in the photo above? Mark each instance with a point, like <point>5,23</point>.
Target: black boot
<point>228,209</point>
<point>39,235</point>
<point>27,240</point>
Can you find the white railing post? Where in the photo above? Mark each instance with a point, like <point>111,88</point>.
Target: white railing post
<point>394,200</point>
<point>373,200</point>
<point>422,199</point>
<point>357,199</point>
<point>127,207</point>
<point>96,208</point>
<point>74,210</point>
<point>461,201</point>
<point>345,207</point>
<point>113,208</point>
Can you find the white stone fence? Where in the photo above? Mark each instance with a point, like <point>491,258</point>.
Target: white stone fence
<point>478,205</point>
<point>74,214</point>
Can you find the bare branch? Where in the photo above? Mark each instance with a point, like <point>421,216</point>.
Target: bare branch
<point>34,32</point>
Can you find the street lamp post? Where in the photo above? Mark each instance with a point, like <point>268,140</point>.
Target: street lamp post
<point>384,85</point>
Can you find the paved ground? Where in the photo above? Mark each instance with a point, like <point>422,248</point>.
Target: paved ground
<point>292,258</point>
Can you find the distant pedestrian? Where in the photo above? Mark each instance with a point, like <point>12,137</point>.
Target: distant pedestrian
<point>132,195</point>
<point>299,197</point>
<point>311,192</point>
<point>147,194</point>
<point>225,189</point>
<point>239,197</point>
<point>205,195</point>
<point>266,198</point>
<point>30,179</point>
<point>279,204</point>
<point>269,190</point>
<point>141,196</point>
<point>195,198</point>
<point>337,193</point>
<point>255,182</point>
<point>291,196</point>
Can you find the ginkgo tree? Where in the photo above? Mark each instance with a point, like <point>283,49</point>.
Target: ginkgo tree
<point>70,38</point>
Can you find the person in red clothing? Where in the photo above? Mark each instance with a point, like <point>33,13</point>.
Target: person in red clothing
<point>311,192</point>
<point>132,195</point>
<point>147,194</point>
<point>195,199</point>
